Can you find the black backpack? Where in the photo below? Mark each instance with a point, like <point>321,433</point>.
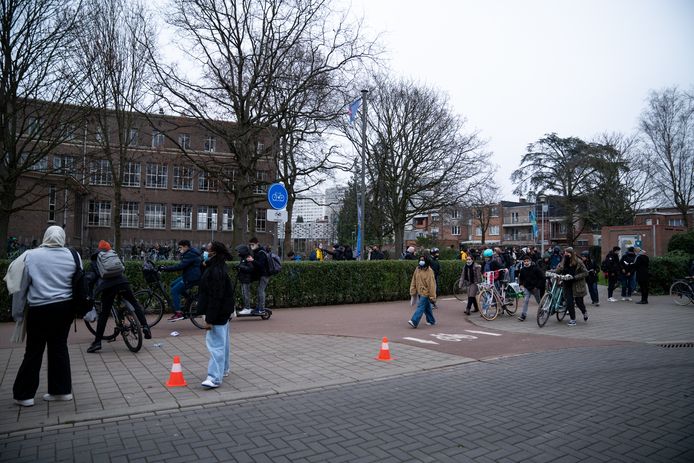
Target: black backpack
<point>274,263</point>
<point>82,301</point>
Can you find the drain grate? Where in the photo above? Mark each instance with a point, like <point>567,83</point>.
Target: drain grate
<point>673,345</point>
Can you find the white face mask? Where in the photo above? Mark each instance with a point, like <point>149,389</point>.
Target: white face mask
<point>526,264</point>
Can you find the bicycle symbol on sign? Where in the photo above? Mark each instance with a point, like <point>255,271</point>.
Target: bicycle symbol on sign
<point>453,337</point>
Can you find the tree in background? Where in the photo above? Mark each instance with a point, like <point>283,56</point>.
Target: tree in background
<point>481,204</point>
<point>667,124</point>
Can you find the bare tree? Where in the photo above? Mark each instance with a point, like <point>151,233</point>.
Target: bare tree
<point>115,45</point>
<point>481,204</point>
<point>246,52</point>
<point>36,88</point>
<point>667,124</point>
<point>419,152</point>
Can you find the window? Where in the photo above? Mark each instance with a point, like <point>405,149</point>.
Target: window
<point>649,221</point>
<point>478,231</point>
<point>419,222</point>
<point>514,217</point>
<point>494,211</point>
<point>155,215</point>
<point>455,230</point>
<point>206,182</point>
<point>100,172</point>
<point>210,144</point>
<point>675,222</point>
<point>494,230</point>
<point>157,175</point>
<point>182,178</point>
<point>99,214</point>
<point>129,214</point>
<point>181,217</point>
<point>562,228</point>
<point>261,182</point>
<point>260,220</point>
<point>132,137</point>
<point>230,178</point>
<point>184,140</point>
<point>99,134</point>
<point>34,124</point>
<point>131,174</point>
<point>64,164</point>
<point>207,217</point>
<point>455,214</point>
<point>228,219</point>
<point>68,132</point>
<point>259,148</point>
<point>51,203</point>
<point>157,138</point>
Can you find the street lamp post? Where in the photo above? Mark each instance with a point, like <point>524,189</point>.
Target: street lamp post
<point>542,199</point>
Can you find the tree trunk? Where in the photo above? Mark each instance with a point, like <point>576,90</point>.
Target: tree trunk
<point>288,240</point>
<point>399,232</point>
<point>117,199</point>
<point>4,231</point>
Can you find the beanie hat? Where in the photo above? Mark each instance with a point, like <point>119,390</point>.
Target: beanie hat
<point>104,246</point>
<point>570,250</point>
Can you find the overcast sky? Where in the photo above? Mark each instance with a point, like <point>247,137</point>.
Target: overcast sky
<point>520,69</point>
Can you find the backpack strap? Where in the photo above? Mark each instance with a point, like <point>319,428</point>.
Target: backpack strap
<point>76,258</point>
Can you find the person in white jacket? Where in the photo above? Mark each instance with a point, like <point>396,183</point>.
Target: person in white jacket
<point>46,286</point>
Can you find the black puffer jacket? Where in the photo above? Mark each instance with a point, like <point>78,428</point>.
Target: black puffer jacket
<point>531,277</point>
<point>245,270</point>
<point>216,295</point>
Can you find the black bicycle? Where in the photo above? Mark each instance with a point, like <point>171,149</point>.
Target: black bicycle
<point>154,298</point>
<point>123,321</point>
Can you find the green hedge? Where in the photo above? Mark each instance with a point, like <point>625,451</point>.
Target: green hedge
<point>302,284</point>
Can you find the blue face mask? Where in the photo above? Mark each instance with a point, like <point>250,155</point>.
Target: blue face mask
<point>205,255</point>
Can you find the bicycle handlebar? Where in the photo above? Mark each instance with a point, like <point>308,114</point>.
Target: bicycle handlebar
<point>558,276</point>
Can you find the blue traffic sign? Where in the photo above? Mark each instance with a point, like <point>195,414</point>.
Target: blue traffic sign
<point>277,196</point>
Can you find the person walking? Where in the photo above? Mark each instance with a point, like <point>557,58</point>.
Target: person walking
<point>191,259</point>
<point>592,278</point>
<point>610,267</point>
<point>575,287</point>
<point>46,286</point>
<point>260,273</point>
<point>626,267</point>
<point>531,279</point>
<point>423,285</point>
<point>641,264</point>
<point>245,276</point>
<point>216,303</point>
<point>470,277</point>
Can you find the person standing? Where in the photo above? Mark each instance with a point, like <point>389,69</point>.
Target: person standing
<point>626,266</point>
<point>46,286</point>
<point>260,273</point>
<point>409,254</point>
<point>575,287</point>
<point>592,278</point>
<point>641,264</point>
<point>191,260</point>
<point>376,253</point>
<point>424,286</point>
<point>245,275</point>
<point>610,267</point>
<point>470,277</point>
<point>216,303</point>
<point>531,279</point>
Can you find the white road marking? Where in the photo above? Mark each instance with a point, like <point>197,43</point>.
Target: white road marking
<point>483,332</point>
<point>452,337</point>
<point>423,341</point>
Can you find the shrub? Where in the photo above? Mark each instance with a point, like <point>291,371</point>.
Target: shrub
<point>682,242</point>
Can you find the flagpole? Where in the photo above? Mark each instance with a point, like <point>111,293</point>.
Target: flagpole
<point>362,187</point>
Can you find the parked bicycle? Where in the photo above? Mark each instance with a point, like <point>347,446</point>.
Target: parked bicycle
<point>123,321</point>
<point>154,298</point>
<point>494,300</point>
<point>682,291</point>
<point>552,303</point>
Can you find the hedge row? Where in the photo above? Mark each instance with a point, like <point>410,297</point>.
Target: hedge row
<point>302,284</point>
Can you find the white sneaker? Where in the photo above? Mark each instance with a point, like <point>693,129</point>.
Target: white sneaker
<point>624,298</point>
<point>24,403</point>
<point>208,383</point>
<point>227,373</point>
<point>612,299</point>
<point>57,397</point>
<point>245,312</point>
<point>628,299</point>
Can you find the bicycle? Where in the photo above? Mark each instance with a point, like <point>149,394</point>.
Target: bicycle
<point>460,292</point>
<point>493,300</point>
<point>154,298</point>
<point>125,323</point>
<point>682,291</point>
<point>553,303</point>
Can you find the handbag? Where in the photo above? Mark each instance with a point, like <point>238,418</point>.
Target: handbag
<point>82,301</point>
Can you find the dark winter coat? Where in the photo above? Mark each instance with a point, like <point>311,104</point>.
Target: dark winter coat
<point>377,255</point>
<point>626,264</point>
<point>260,263</point>
<point>531,277</point>
<point>640,266</point>
<point>99,284</point>
<point>436,267</point>
<point>245,269</point>
<point>190,264</point>
<point>611,263</point>
<point>470,277</point>
<point>592,271</point>
<point>216,294</point>
<point>579,272</point>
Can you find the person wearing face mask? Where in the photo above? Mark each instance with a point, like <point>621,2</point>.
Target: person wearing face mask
<point>531,279</point>
<point>575,288</point>
<point>423,285</point>
<point>260,274</point>
<point>470,278</point>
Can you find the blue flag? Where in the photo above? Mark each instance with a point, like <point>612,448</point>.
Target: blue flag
<point>353,108</point>
<point>533,221</point>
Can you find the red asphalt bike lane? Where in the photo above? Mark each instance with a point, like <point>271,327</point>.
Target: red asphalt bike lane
<point>454,332</point>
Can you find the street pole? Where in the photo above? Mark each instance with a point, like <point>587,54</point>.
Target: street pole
<point>360,212</point>
<point>542,244</point>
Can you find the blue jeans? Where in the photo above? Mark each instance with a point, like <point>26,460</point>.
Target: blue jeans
<point>593,290</point>
<point>423,307</point>
<point>177,289</point>
<point>535,292</point>
<point>628,284</point>
<point>218,345</point>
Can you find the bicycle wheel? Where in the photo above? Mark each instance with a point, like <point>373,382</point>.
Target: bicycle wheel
<point>511,304</point>
<point>561,311</point>
<point>680,292</point>
<point>110,331</point>
<point>543,310</point>
<point>489,304</point>
<point>458,292</point>
<point>151,304</point>
<point>130,327</point>
<point>192,312</point>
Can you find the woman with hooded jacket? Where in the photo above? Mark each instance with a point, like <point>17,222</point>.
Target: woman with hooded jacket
<point>575,288</point>
<point>423,285</point>
<point>46,286</point>
<point>216,303</point>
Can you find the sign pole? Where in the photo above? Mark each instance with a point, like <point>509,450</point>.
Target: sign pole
<point>360,205</point>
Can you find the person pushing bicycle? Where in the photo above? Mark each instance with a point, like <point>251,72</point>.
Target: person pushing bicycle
<point>575,289</point>
<point>191,260</point>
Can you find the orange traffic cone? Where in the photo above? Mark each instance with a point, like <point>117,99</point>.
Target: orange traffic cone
<point>384,354</point>
<point>176,376</point>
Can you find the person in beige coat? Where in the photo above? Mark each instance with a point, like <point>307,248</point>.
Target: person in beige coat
<point>423,285</point>
<point>575,288</point>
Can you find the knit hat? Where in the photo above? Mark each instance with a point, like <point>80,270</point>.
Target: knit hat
<point>104,246</point>
<point>570,250</point>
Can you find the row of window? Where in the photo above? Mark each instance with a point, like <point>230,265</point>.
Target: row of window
<point>180,216</point>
